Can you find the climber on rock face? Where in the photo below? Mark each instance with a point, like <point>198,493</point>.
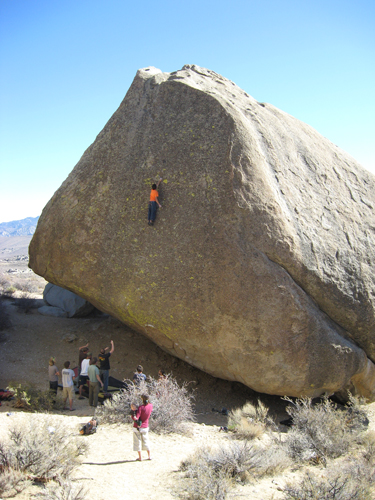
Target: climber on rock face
<point>153,203</point>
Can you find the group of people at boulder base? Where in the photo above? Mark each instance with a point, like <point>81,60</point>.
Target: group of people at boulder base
<point>95,376</point>
<point>88,373</point>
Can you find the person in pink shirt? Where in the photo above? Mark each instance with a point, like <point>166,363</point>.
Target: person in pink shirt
<point>141,416</point>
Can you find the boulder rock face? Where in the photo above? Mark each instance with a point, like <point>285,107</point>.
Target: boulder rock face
<point>260,266</point>
<point>68,302</point>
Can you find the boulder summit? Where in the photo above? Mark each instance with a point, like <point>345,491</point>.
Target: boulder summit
<point>260,265</point>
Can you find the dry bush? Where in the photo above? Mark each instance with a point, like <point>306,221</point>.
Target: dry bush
<point>64,490</point>
<point>12,482</point>
<point>4,282</point>
<point>30,398</point>
<point>250,421</point>
<point>9,290</point>
<point>323,431</point>
<point>117,409</point>
<point>25,286</point>
<point>172,404</point>
<point>368,447</point>
<point>207,485</point>
<point>211,471</point>
<point>40,449</point>
<point>352,480</point>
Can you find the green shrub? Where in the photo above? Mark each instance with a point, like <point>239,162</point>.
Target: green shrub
<point>30,398</point>
<point>9,291</point>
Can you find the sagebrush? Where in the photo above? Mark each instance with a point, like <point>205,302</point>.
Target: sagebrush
<point>322,430</point>
<point>63,490</point>
<point>211,471</point>
<point>172,404</point>
<point>38,450</point>
<point>343,480</point>
<point>26,286</point>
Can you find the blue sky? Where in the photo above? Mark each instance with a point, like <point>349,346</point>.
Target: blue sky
<point>65,66</point>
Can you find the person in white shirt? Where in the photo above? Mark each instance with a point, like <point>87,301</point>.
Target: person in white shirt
<point>84,377</point>
<point>68,387</point>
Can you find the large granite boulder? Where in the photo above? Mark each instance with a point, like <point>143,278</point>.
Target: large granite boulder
<point>260,266</point>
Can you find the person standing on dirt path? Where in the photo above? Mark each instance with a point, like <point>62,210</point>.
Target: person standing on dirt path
<point>82,355</point>
<point>67,381</point>
<point>95,380</point>
<point>153,203</point>
<point>84,377</point>
<point>53,375</point>
<point>104,365</point>
<point>141,417</point>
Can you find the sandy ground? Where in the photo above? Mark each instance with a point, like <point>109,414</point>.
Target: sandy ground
<point>109,469</point>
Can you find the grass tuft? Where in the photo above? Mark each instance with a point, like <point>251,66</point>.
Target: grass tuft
<point>250,421</point>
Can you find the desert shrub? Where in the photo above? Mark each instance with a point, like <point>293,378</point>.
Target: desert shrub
<point>18,285</point>
<point>40,449</point>
<point>5,322</point>
<point>250,421</point>
<point>208,485</point>
<point>30,398</point>
<point>368,448</point>
<point>210,472</point>
<point>63,490</point>
<point>12,482</point>
<point>117,409</point>
<point>9,290</point>
<point>352,480</point>
<point>323,431</point>
<point>4,282</point>
<point>172,404</point>
<point>26,286</point>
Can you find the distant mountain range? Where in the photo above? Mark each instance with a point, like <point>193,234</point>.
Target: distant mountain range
<point>24,227</point>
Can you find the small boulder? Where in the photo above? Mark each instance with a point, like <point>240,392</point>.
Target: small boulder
<point>56,312</point>
<point>72,304</point>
